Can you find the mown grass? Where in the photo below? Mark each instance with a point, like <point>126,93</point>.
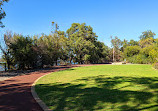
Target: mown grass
<point>104,87</point>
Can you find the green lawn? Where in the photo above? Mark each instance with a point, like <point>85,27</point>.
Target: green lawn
<point>104,87</point>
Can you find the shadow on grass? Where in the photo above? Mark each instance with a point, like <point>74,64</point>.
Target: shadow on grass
<point>107,93</point>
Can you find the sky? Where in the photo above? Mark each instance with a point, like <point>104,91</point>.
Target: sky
<point>126,19</point>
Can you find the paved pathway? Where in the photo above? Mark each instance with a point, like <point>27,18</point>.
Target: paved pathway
<point>15,93</point>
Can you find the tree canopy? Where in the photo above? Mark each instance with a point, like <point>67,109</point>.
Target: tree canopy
<point>78,44</point>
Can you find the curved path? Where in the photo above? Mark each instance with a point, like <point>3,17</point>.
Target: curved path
<point>15,93</point>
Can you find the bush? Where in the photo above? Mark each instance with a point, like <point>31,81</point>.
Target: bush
<point>131,51</point>
<point>155,65</point>
<point>138,59</point>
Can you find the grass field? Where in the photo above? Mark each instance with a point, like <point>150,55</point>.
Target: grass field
<point>104,87</point>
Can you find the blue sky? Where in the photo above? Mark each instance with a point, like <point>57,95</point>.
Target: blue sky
<point>123,18</point>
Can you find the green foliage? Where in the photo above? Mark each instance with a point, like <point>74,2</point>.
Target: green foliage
<point>153,54</point>
<point>116,44</point>
<point>145,42</point>
<point>144,51</point>
<point>138,59</point>
<point>145,55</point>
<point>50,48</point>
<point>22,51</point>
<point>79,45</point>
<point>131,51</point>
<point>82,41</point>
<point>87,58</point>
<point>133,43</point>
<point>147,34</point>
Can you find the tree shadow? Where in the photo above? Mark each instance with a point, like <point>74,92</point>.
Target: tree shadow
<point>15,93</point>
<point>17,97</point>
<point>110,93</point>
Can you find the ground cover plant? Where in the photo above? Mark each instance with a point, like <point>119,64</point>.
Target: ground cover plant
<point>102,87</point>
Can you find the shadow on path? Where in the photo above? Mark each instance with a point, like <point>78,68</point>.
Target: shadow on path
<point>15,93</point>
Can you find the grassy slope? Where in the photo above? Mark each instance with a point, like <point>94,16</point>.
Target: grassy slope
<point>105,87</point>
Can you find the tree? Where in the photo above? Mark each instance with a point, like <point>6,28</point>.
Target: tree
<point>116,44</point>
<point>79,48</point>
<point>2,12</point>
<point>131,51</point>
<point>64,48</point>
<point>80,41</point>
<point>81,30</point>
<point>7,56</point>
<point>51,48</point>
<point>133,43</point>
<point>99,53</point>
<point>153,54</point>
<point>147,34</point>
<point>144,51</point>
<point>79,45</point>
<point>22,50</point>
<point>83,45</point>
<point>48,49</point>
<point>147,38</point>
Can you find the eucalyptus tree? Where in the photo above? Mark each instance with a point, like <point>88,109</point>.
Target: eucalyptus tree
<point>147,38</point>
<point>116,44</point>
<point>80,39</point>
<point>83,44</point>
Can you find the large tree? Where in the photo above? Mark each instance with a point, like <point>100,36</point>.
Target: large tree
<point>7,56</point>
<point>116,44</point>
<point>82,30</point>
<point>83,44</point>
<point>22,50</point>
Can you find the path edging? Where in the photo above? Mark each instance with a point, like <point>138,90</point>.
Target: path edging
<point>36,97</point>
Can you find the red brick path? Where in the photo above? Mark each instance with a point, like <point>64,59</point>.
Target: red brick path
<point>15,93</point>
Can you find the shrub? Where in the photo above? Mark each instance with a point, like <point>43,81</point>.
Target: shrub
<point>138,59</point>
<point>155,65</point>
<point>131,51</point>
